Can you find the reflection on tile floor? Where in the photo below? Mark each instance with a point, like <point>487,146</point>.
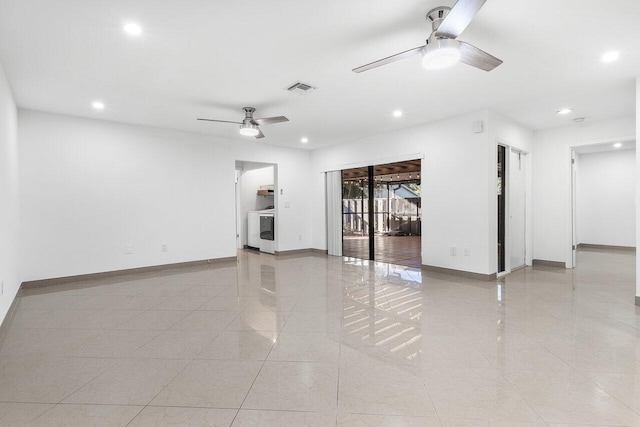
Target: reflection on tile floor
<point>328,341</point>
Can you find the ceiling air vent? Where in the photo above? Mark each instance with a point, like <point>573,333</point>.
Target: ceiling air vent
<point>300,88</point>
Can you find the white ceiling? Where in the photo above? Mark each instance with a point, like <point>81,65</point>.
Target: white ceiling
<point>204,58</point>
<point>605,147</point>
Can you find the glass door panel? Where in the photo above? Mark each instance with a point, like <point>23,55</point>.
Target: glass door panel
<point>355,216</point>
<point>395,213</point>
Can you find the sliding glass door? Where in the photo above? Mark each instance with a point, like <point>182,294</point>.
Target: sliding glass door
<point>381,210</point>
<point>355,213</point>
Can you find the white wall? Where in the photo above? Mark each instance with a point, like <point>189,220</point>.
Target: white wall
<point>10,272</point>
<point>90,188</point>
<point>250,182</point>
<point>605,198</point>
<point>552,181</point>
<point>458,185</point>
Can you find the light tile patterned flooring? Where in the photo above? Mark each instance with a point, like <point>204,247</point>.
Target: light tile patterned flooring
<point>318,341</point>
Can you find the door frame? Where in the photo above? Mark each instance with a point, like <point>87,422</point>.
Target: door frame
<point>523,162</point>
<point>571,217</point>
<point>527,217</point>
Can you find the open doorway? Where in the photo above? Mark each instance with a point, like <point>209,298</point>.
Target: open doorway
<point>256,202</point>
<point>501,168</point>
<point>382,212</point>
<point>511,208</point>
<point>603,197</point>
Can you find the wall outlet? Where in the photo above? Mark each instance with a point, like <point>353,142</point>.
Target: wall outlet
<point>164,248</point>
<point>299,237</point>
<point>467,252</point>
<point>287,204</point>
<point>1,287</point>
<point>452,251</point>
<point>128,249</point>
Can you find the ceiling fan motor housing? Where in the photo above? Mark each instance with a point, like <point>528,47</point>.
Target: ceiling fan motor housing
<point>437,15</point>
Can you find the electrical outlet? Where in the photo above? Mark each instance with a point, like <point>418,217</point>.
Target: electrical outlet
<point>299,237</point>
<point>467,252</point>
<point>164,248</point>
<point>128,249</point>
<point>287,204</point>
<point>1,287</point>
<point>452,251</point>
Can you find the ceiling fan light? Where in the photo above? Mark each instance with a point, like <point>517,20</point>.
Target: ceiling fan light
<point>439,54</point>
<point>249,130</point>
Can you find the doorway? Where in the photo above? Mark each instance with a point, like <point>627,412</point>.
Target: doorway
<point>603,197</point>
<point>511,181</point>
<point>502,203</point>
<point>256,197</point>
<point>381,213</point>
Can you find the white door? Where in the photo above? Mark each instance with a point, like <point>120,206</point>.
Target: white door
<point>239,243</point>
<point>516,210</point>
<point>574,234</point>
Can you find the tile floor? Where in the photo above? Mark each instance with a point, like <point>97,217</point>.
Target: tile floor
<point>317,341</point>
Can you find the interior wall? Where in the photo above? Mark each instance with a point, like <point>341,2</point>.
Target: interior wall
<point>605,198</point>
<point>250,182</point>
<point>10,268</point>
<point>459,199</point>
<point>455,190</point>
<point>92,188</point>
<point>552,181</point>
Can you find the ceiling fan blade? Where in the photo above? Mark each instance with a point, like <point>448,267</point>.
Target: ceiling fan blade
<point>220,121</point>
<point>459,18</point>
<point>475,57</point>
<point>388,60</point>
<point>260,134</point>
<point>270,120</point>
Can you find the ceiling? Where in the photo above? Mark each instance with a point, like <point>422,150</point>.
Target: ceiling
<point>203,58</point>
<point>387,171</point>
<point>605,147</point>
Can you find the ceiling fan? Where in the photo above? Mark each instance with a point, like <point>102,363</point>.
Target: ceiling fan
<point>249,126</point>
<point>442,49</point>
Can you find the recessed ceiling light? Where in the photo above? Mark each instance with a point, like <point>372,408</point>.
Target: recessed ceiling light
<point>617,145</point>
<point>564,111</point>
<point>611,56</point>
<point>304,140</point>
<point>98,105</point>
<point>579,119</point>
<point>132,28</point>
<point>397,113</point>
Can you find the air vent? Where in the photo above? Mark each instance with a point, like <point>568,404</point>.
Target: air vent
<point>300,88</point>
